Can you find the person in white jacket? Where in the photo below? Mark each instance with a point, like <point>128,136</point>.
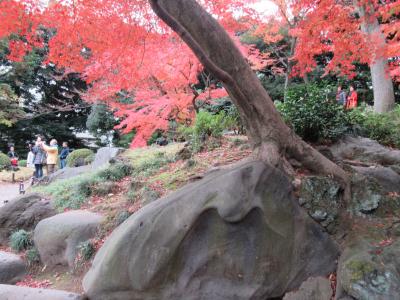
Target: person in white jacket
<point>30,158</point>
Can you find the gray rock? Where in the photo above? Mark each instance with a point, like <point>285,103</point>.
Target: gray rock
<point>367,271</point>
<point>12,268</point>
<point>103,156</point>
<point>11,292</point>
<point>366,150</point>
<point>388,179</point>
<point>367,195</point>
<point>236,234</point>
<point>319,215</point>
<point>23,212</point>
<point>321,197</point>
<point>318,288</point>
<point>57,238</point>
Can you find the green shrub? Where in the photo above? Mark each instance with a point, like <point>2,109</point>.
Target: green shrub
<point>5,161</point>
<point>206,125</point>
<point>116,172</point>
<point>22,163</point>
<point>86,250</point>
<point>79,157</point>
<point>384,128</point>
<point>148,166</point>
<point>20,240</point>
<point>313,114</point>
<point>89,159</point>
<point>32,256</point>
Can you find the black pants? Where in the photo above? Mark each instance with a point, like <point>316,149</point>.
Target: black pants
<point>38,170</point>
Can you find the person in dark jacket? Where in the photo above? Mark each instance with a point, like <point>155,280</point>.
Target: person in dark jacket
<point>63,155</point>
<point>13,156</point>
<point>39,158</point>
<point>341,96</point>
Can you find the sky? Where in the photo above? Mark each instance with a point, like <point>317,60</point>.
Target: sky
<point>265,6</point>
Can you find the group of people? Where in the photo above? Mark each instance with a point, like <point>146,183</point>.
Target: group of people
<point>347,100</point>
<point>41,155</point>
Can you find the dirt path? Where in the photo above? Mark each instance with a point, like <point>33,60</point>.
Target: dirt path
<point>9,191</point>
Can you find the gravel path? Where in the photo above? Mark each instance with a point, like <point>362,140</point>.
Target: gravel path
<point>9,191</point>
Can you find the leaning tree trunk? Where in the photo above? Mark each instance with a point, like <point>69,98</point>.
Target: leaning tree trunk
<point>273,141</point>
<point>381,81</point>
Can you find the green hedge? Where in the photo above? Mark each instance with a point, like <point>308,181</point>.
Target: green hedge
<point>5,161</point>
<point>22,163</point>
<point>80,157</point>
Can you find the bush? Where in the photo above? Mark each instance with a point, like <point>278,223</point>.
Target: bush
<point>116,171</point>
<point>5,161</point>
<point>206,125</point>
<point>32,256</point>
<point>153,164</point>
<point>313,113</point>
<point>86,250</point>
<point>22,163</point>
<point>384,128</point>
<point>79,157</point>
<point>20,240</point>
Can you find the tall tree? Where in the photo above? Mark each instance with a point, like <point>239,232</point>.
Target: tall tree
<point>115,44</point>
<point>352,33</point>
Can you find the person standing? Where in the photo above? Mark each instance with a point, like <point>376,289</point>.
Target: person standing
<point>52,155</point>
<point>63,155</point>
<point>39,158</point>
<point>341,96</point>
<point>30,158</point>
<point>352,99</point>
<point>13,157</point>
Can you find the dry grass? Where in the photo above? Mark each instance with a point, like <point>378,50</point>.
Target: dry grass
<point>22,174</point>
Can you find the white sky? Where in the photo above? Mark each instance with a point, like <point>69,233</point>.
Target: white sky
<point>266,7</point>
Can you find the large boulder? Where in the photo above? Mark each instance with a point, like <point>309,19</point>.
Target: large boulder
<point>369,270</point>
<point>57,238</point>
<point>12,268</point>
<point>104,156</point>
<point>23,213</point>
<point>11,292</point>
<point>365,150</point>
<point>236,234</point>
<point>315,288</point>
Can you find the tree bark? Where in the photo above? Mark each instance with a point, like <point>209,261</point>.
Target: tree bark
<point>381,81</point>
<point>272,140</point>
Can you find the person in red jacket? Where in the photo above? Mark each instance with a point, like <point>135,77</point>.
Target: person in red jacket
<point>352,98</point>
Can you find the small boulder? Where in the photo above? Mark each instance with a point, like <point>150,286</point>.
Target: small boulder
<point>388,179</point>
<point>57,238</point>
<point>366,150</point>
<point>12,268</point>
<point>314,288</point>
<point>369,270</point>
<point>23,212</point>
<point>11,292</point>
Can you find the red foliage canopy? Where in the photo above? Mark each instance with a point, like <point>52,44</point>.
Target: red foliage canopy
<point>121,46</point>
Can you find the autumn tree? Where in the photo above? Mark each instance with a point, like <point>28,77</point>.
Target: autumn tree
<point>115,45</point>
<point>351,31</point>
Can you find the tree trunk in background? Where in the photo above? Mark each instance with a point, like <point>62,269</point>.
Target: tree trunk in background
<point>289,67</point>
<point>273,141</point>
<point>381,81</point>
